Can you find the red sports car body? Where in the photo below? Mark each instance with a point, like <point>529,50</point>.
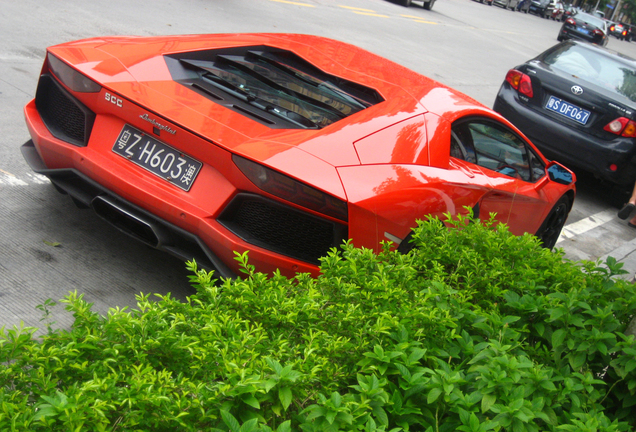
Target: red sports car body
<point>283,145</point>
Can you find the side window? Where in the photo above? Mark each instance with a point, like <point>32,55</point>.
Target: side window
<point>537,166</point>
<point>493,146</point>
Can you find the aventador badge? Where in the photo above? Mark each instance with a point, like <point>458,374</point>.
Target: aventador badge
<point>156,124</point>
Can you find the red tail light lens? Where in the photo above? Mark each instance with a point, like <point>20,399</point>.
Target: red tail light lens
<point>624,33</point>
<point>70,77</point>
<point>611,28</point>
<point>520,82</point>
<point>622,126</point>
<point>598,32</point>
<point>570,21</point>
<point>291,190</point>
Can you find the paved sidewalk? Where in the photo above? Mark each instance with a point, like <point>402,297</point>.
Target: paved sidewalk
<point>627,255</point>
<point>598,237</point>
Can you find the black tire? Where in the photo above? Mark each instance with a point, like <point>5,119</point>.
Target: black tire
<point>429,5</point>
<point>550,230</point>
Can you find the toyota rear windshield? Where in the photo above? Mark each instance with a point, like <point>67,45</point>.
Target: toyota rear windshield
<point>594,67</point>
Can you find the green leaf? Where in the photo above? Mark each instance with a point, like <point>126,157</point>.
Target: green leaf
<point>249,425</point>
<point>230,421</point>
<point>284,427</point>
<point>577,360</point>
<point>433,395</point>
<point>558,337</point>
<point>540,328</point>
<point>336,399</point>
<point>381,415</point>
<point>487,401</point>
<point>331,416</point>
<point>44,411</point>
<point>285,396</point>
<point>474,422</point>
<point>416,355</point>
<point>251,401</point>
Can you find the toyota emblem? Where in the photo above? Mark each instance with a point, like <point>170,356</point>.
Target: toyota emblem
<point>577,90</point>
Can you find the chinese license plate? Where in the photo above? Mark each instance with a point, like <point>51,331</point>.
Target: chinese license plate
<point>583,30</point>
<point>157,157</point>
<point>568,110</point>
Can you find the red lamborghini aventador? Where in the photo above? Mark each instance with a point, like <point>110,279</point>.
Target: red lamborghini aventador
<point>283,145</point>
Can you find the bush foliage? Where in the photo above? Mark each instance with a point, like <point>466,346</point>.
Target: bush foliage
<point>473,330</point>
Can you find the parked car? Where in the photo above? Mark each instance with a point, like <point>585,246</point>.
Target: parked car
<point>598,13</point>
<point>507,4</point>
<point>619,30</point>
<point>577,103</point>
<point>524,5</point>
<point>543,8</point>
<point>426,4</point>
<point>585,27</point>
<point>557,12</point>
<point>488,2</point>
<point>283,145</point>
<point>568,11</point>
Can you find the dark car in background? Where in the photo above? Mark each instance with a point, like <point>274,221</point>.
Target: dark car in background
<point>585,27</point>
<point>568,11</point>
<point>507,4</point>
<point>558,11</point>
<point>524,5</point>
<point>426,4</point>
<point>577,103</point>
<point>543,8</point>
<point>621,31</point>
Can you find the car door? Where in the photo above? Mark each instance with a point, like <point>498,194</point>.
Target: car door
<point>512,167</point>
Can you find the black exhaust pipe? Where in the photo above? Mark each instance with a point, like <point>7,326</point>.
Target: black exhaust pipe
<point>129,221</point>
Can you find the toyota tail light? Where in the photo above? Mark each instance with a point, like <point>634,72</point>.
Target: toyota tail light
<point>622,126</point>
<point>520,82</point>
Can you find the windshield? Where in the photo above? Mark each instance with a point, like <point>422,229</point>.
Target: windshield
<point>595,67</point>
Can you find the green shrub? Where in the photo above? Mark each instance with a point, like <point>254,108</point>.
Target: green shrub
<point>473,330</point>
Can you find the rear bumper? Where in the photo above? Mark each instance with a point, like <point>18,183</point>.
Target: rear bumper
<point>127,217</point>
<point>570,33</point>
<point>568,145</point>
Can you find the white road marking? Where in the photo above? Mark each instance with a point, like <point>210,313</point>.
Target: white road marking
<point>38,178</point>
<point>587,224</point>
<point>8,179</point>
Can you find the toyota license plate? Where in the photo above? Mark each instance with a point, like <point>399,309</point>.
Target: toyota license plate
<point>157,157</point>
<point>567,109</point>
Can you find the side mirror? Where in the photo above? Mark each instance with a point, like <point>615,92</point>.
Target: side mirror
<point>559,174</point>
